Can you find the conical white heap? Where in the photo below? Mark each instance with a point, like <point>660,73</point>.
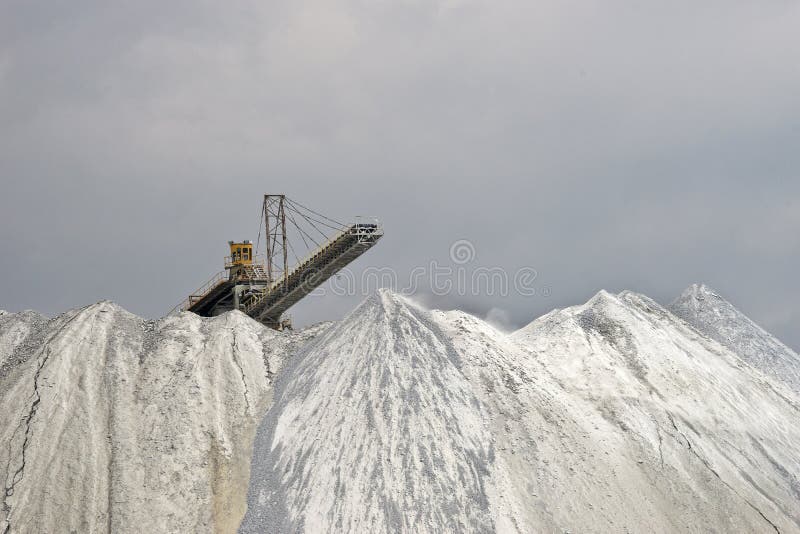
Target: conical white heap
<point>616,415</point>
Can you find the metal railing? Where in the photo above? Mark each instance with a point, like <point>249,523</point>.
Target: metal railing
<point>219,278</point>
<point>366,226</point>
<point>230,262</point>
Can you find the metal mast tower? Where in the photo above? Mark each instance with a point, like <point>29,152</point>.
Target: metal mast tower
<point>273,212</point>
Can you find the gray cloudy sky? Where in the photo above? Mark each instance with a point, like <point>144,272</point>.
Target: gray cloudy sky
<point>615,144</point>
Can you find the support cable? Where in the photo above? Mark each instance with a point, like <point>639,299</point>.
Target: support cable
<point>322,223</point>
<point>260,225</point>
<point>314,226</point>
<point>296,259</point>
<point>303,232</point>
<point>291,219</point>
<point>339,225</point>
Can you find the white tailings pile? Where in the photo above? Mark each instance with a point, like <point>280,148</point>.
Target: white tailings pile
<point>613,416</point>
<point>110,423</point>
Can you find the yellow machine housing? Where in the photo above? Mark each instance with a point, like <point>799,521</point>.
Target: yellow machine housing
<point>241,254</point>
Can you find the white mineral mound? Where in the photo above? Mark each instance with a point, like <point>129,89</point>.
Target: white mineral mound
<point>612,416</point>
<point>717,318</point>
<point>608,417</point>
<point>111,423</point>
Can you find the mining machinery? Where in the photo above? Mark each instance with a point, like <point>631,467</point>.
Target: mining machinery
<point>265,288</point>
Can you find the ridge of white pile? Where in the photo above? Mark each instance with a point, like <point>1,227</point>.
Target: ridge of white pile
<point>715,317</point>
<point>604,417</point>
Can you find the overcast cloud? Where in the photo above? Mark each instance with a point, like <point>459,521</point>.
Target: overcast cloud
<point>615,144</point>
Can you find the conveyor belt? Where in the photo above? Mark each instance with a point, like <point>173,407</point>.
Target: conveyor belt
<point>312,273</point>
<point>268,304</point>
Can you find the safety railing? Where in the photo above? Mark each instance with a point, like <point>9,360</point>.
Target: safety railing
<point>257,259</point>
<point>366,226</point>
<point>201,292</point>
<point>230,261</point>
